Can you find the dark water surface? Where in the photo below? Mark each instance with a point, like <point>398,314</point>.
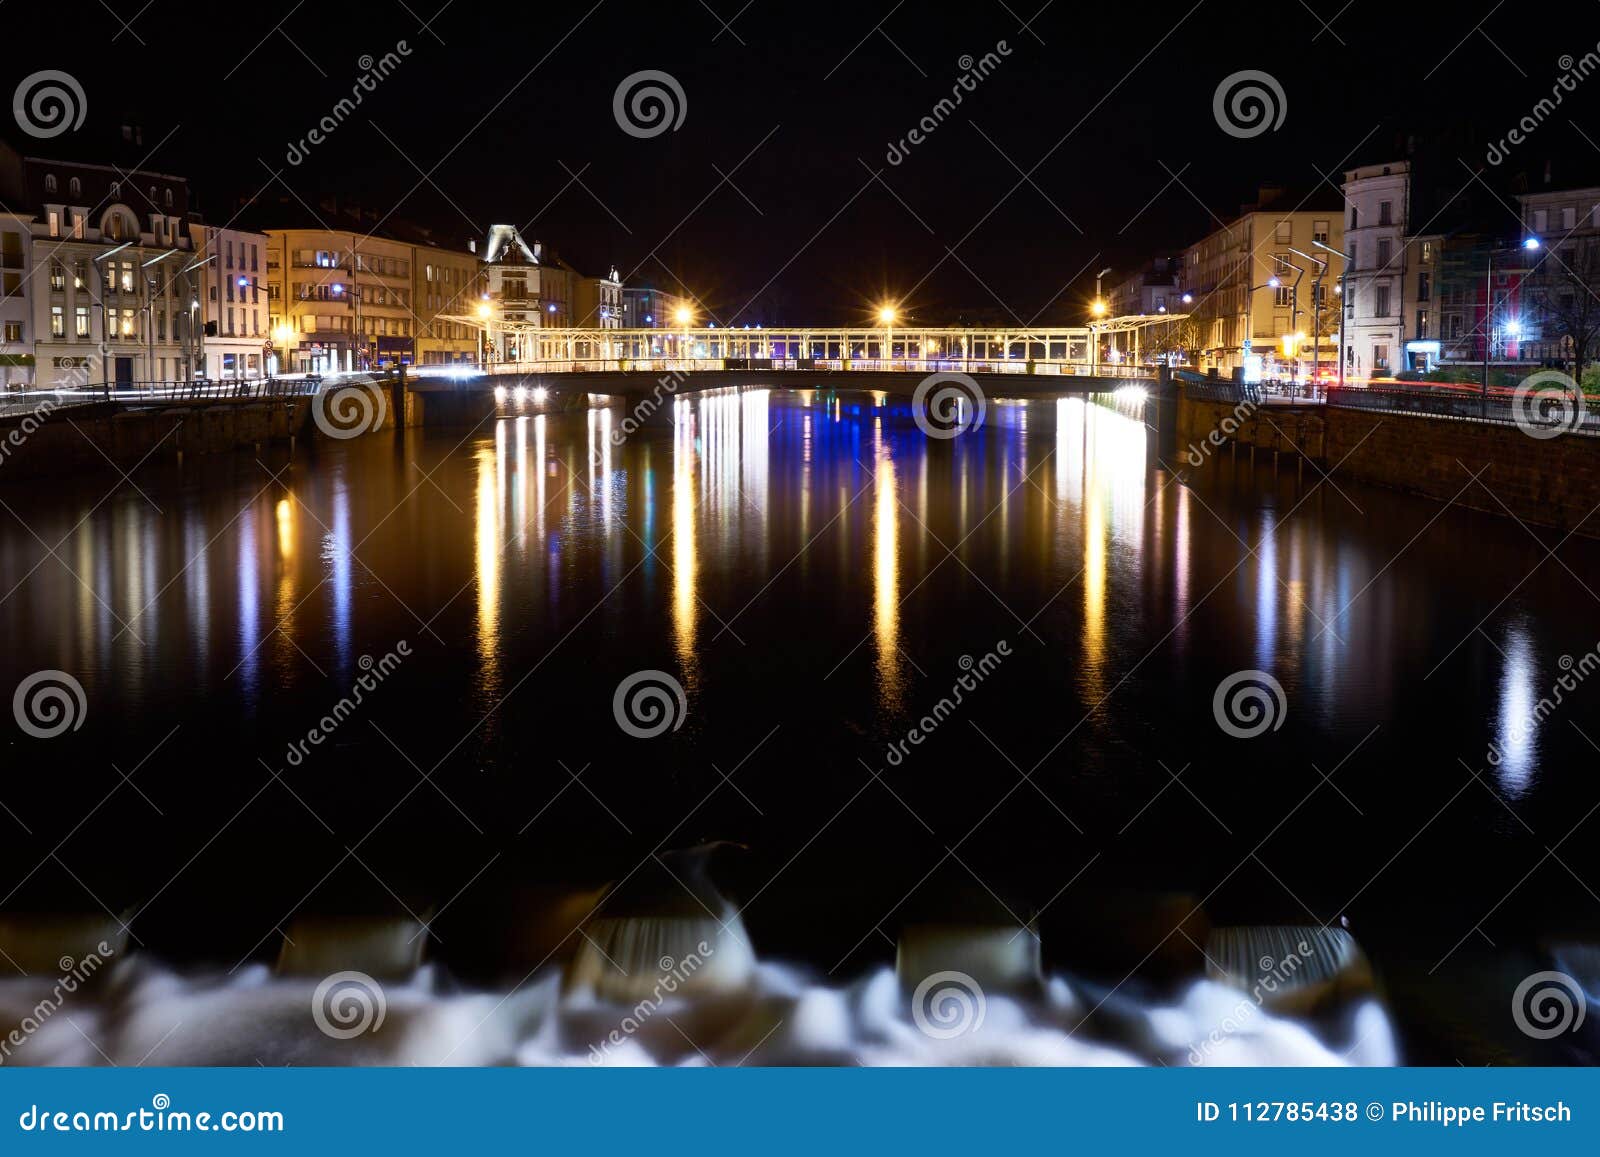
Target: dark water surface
<point>817,575</point>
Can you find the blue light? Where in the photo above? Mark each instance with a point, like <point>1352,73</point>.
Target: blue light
<point>1531,243</point>
<point>650,318</point>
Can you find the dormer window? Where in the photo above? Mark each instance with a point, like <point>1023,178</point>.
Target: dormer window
<point>169,198</point>
<point>74,187</point>
<point>116,189</point>
<point>49,182</point>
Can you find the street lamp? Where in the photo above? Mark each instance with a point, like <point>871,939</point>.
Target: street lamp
<point>1529,244</point>
<point>1316,315</point>
<point>1339,290</point>
<point>886,314</point>
<point>281,337</point>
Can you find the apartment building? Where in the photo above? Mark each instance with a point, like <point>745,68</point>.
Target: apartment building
<point>340,300</point>
<point>234,305</point>
<point>16,315</point>
<point>1258,304</point>
<point>598,301</point>
<point>110,274</point>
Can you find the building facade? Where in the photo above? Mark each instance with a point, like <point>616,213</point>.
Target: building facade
<point>16,315</point>
<point>644,307</point>
<point>110,274</point>
<point>598,301</point>
<point>340,301</point>
<point>1257,306</point>
<point>448,287</point>
<point>234,304</point>
<point>522,291</point>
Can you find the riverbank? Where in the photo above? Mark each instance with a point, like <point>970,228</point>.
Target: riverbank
<point>1488,466</point>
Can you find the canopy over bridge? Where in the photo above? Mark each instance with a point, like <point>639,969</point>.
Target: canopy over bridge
<point>524,348</point>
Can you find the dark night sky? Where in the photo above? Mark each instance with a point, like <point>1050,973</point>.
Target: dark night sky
<point>500,105</point>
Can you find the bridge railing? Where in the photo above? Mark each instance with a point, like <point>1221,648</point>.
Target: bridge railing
<point>211,389</point>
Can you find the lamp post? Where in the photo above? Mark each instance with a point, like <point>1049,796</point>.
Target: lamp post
<point>1098,309</point>
<point>1529,244</point>
<point>1340,289</point>
<point>1316,315</point>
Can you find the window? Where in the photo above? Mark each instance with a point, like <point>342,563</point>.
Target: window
<point>169,198</point>
<point>1354,217</point>
<point>1424,286</point>
<point>1380,357</point>
<point>13,331</point>
<point>1385,212</point>
<point>127,277</point>
<point>1319,231</point>
<point>54,218</point>
<point>80,321</point>
<point>49,182</point>
<point>1541,220</point>
<point>1380,301</point>
<point>1422,323</point>
<point>58,275</point>
<point>1427,252</point>
<point>1569,218</point>
<point>115,190</point>
<point>74,187</point>
<point>1354,261</point>
<point>58,321</point>
<point>1385,252</point>
<point>1284,232</point>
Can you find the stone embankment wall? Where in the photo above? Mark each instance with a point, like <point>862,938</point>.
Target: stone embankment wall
<point>1548,482</point>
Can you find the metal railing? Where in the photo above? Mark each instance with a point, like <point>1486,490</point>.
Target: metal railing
<point>211,389</point>
<point>1501,406</point>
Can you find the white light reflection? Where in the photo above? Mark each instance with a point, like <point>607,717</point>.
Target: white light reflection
<point>1512,754</point>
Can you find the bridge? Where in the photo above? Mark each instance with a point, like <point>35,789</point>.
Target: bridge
<point>537,352</point>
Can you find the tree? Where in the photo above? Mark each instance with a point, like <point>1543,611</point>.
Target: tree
<point>1178,337</point>
<point>1565,294</point>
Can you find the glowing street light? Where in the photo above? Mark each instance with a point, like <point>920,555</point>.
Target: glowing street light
<point>887,314</point>
<point>683,315</point>
<point>1098,309</point>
